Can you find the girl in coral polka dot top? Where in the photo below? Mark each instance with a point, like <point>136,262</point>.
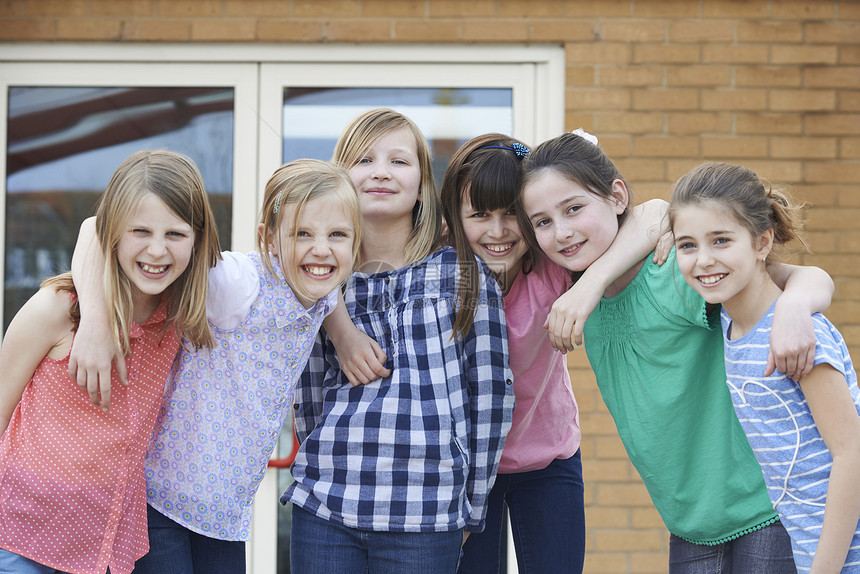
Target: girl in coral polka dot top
<point>72,487</point>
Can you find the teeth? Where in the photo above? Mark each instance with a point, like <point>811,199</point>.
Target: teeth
<point>499,248</point>
<point>318,269</point>
<point>711,279</point>
<point>155,270</point>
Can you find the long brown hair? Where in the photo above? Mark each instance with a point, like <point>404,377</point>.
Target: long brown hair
<point>487,168</point>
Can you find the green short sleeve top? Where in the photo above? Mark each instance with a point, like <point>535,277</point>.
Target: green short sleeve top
<point>658,358</point>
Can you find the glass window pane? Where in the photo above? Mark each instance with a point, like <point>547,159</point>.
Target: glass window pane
<point>314,117</point>
<point>65,142</point>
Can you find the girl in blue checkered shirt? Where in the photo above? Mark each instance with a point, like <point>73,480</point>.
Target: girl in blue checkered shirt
<point>392,475</point>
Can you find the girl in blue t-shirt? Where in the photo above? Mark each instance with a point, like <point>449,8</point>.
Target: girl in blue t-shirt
<point>806,433</point>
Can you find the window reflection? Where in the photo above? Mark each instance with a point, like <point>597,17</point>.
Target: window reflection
<point>314,117</point>
<point>65,142</point>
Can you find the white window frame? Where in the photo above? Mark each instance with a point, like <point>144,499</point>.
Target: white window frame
<point>258,73</point>
<point>241,77</point>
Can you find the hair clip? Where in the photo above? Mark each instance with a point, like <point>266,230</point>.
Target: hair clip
<point>519,149</point>
<point>585,135</point>
<point>278,202</point>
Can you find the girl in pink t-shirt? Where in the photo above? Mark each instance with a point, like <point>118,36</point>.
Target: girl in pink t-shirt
<point>540,473</point>
<point>72,489</point>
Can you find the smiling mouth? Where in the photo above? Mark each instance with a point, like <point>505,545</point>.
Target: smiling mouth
<point>498,248</point>
<point>318,270</point>
<point>153,269</point>
<point>711,279</point>
<point>572,249</point>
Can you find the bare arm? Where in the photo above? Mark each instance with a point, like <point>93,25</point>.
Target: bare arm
<point>94,348</point>
<point>41,328</point>
<point>361,358</point>
<point>836,417</point>
<point>635,240</point>
<point>806,290</point>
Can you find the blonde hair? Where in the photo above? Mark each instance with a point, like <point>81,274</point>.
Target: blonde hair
<point>753,202</point>
<point>359,135</point>
<point>175,180</point>
<point>299,182</point>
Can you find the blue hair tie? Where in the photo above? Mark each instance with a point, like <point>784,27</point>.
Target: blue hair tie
<point>519,149</point>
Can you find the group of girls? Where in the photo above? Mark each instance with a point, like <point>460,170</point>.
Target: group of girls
<point>656,349</point>
<point>411,445</point>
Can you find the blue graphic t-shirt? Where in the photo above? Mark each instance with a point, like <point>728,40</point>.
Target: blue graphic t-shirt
<point>776,418</point>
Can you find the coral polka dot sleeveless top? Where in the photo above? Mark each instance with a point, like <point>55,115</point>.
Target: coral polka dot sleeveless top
<point>72,488</point>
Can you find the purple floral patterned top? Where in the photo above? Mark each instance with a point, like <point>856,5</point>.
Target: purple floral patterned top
<point>224,406</point>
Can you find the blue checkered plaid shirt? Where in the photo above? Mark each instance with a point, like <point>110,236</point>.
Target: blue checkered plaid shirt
<point>417,451</point>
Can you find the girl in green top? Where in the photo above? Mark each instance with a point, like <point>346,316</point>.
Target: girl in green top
<point>656,350</point>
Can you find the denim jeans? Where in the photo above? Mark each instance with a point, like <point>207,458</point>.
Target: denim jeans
<point>319,546</point>
<point>11,563</point>
<point>547,521</point>
<point>173,549</point>
<point>764,551</point>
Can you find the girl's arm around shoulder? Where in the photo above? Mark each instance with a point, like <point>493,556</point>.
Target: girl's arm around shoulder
<point>234,285</point>
<point>835,414</point>
<point>94,349</point>
<point>361,358</point>
<point>637,237</point>
<point>41,328</point>
<point>806,290</point>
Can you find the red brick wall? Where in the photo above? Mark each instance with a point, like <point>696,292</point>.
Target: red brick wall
<point>774,84</point>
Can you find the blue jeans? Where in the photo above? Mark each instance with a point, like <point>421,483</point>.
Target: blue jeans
<point>547,513</point>
<point>319,546</point>
<point>11,563</point>
<point>173,549</point>
<point>766,550</point>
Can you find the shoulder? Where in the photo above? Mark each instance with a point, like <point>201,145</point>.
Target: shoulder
<point>235,269</point>
<point>442,266</point>
<point>445,255</point>
<point>50,307</point>
<point>669,295</point>
<point>551,274</point>
<point>46,316</point>
<point>826,328</point>
<point>234,284</point>
<point>329,302</point>
<point>830,346</point>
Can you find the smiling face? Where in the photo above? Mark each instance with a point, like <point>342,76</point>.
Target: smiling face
<point>320,257</point>
<point>495,237</point>
<point>155,248</point>
<point>572,225</point>
<point>388,176</point>
<point>716,254</point>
